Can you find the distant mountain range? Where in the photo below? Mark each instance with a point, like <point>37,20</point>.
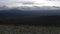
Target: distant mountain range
<point>21,15</point>
<point>30,11</point>
<point>18,11</point>
<point>31,8</point>
<point>39,8</point>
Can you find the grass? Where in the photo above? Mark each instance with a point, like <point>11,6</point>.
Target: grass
<point>29,29</point>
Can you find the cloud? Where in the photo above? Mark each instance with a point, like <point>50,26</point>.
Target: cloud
<point>53,0</point>
<point>6,2</point>
<point>15,2</point>
<point>26,2</point>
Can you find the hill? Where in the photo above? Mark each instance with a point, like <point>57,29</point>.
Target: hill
<point>15,16</point>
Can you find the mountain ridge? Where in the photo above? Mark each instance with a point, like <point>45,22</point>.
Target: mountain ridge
<point>31,8</point>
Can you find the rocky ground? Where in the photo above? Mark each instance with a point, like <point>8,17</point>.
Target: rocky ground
<point>29,29</point>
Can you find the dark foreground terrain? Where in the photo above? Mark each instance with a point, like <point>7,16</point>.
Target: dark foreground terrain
<point>29,29</point>
<point>36,20</point>
<point>29,22</point>
<point>15,16</point>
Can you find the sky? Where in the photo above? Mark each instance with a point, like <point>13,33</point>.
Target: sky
<point>18,3</point>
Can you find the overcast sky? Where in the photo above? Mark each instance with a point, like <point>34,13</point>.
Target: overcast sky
<point>16,3</point>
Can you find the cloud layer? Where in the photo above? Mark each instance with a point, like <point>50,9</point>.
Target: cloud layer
<point>53,0</point>
<point>15,3</point>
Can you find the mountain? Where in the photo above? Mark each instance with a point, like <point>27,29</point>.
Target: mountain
<point>18,16</point>
<point>31,12</point>
<point>31,8</point>
<point>38,8</point>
